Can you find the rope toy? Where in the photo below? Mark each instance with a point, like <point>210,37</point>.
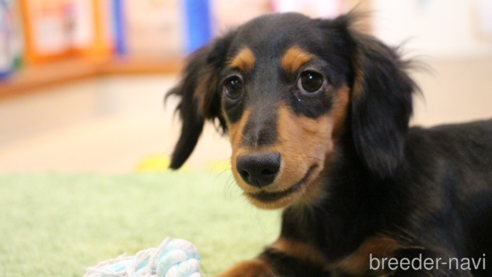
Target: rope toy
<point>173,258</point>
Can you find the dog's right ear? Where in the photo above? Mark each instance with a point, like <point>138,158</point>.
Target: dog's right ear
<point>200,96</point>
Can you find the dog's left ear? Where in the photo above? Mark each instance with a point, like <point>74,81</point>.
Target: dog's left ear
<point>200,97</point>
<point>381,100</point>
<point>381,104</point>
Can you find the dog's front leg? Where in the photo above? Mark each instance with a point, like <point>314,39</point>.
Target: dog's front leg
<point>256,267</point>
<point>283,258</point>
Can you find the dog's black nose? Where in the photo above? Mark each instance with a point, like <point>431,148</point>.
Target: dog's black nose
<point>258,170</point>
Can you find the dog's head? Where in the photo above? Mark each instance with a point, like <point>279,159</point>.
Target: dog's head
<point>288,89</point>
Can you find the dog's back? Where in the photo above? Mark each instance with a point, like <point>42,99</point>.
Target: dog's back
<point>455,167</point>
<point>466,148</point>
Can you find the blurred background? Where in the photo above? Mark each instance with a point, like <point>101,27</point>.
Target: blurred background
<point>85,136</point>
<point>82,82</point>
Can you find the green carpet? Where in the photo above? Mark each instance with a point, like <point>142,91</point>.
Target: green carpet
<point>57,224</point>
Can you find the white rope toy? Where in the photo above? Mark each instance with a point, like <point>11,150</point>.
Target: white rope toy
<point>173,258</point>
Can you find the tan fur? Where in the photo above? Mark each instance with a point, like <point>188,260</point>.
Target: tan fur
<point>294,58</point>
<point>303,143</point>
<point>339,111</point>
<point>236,133</point>
<point>299,250</point>
<point>244,60</point>
<point>257,268</point>
<point>358,80</point>
<point>358,262</point>
<point>203,92</point>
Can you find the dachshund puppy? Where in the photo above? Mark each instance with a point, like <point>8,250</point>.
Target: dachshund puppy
<point>318,119</point>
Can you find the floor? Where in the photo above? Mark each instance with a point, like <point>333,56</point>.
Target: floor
<point>117,124</point>
<point>104,125</point>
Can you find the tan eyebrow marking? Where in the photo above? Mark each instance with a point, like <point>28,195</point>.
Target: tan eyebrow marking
<point>293,58</point>
<point>244,60</point>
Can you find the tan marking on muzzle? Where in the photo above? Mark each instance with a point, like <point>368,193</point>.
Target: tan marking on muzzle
<point>236,136</point>
<point>244,60</point>
<point>305,146</point>
<point>294,58</point>
<point>302,144</point>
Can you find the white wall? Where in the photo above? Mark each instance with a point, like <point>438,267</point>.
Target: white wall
<point>436,28</point>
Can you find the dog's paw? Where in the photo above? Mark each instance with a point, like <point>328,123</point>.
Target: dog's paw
<point>251,268</point>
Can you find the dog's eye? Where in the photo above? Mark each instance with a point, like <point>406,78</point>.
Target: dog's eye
<point>310,81</point>
<point>233,87</point>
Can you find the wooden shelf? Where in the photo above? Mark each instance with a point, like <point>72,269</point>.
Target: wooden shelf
<point>33,77</point>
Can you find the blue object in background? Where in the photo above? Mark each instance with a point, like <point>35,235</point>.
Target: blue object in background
<point>6,22</point>
<point>197,22</point>
<point>119,27</point>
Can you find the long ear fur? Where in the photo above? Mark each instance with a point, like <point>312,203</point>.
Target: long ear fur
<point>381,104</point>
<point>381,98</point>
<point>200,98</point>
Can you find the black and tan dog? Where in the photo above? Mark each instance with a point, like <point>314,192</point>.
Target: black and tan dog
<point>318,119</point>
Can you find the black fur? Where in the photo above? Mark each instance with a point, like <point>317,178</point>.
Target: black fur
<point>381,110</point>
<point>201,74</point>
<point>428,189</point>
<point>261,128</point>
